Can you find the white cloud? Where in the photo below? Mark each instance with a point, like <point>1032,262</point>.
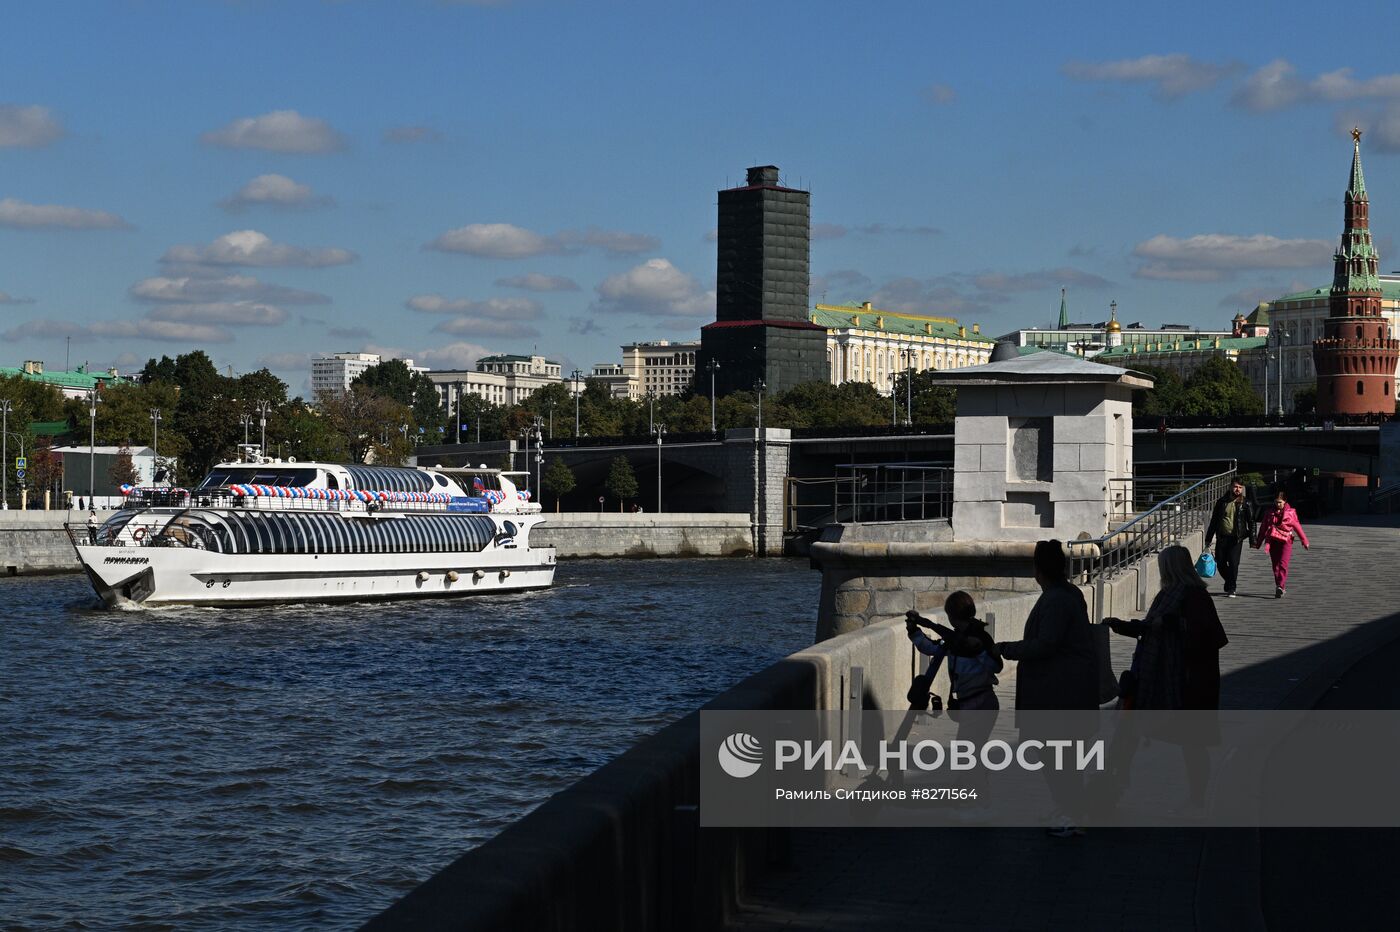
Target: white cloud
<point>278,131</point>
<point>508,241</point>
<point>251,248</point>
<point>485,327</point>
<point>44,329</point>
<point>940,94</point>
<point>459,355</point>
<point>231,313</point>
<point>1171,76</point>
<point>497,308</point>
<point>17,215</point>
<point>164,330</point>
<point>1001,283</point>
<point>7,298</point>
<point>534,281</point>
<point>198,289</point>
<point>1216,256</point>
<point>412,134</point>
<point>495,241</point>
<point>274,191</point>
<point>1382,126</point>
<point>27,127</point>
<point>823,231</point>
<point>655,288</point>
<point>1277,85</point>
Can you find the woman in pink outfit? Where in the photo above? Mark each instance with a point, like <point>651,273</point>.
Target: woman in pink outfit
<point>1276,529</point>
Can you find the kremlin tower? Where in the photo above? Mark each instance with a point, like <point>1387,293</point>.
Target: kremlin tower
<point>1356,356</point>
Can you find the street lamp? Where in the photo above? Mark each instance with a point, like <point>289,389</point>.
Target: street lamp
<point>1282,335</point>
<point>247,422</point>
<point>759,387</point>
<point>155,443</point>
<point>539,454</point>
<point>659,430</point>
<point>459,414</point>
<point>5,408</point>
<point>894,399</point>
<point>552,402</point>
<point>712,365</point>
<point>92,440</point>
<point>651,412</point>
<point>909,385</point>
<point>575,376</point>
<point>262,423</point>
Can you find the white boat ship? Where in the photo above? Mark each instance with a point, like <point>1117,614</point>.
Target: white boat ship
<point>261,530</point>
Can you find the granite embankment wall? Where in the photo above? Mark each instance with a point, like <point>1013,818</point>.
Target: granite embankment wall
<point>664,534</point>
<point>621,849</point>
<point>35,542</point>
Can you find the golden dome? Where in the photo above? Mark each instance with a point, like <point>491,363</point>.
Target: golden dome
<point>1113,326</point>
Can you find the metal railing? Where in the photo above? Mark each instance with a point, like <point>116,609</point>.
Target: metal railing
<point>223,498</point>
<point>1168,521</point>
<point>869,492</point>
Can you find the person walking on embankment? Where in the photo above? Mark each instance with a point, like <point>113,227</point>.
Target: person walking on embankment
<point>1232,523</point>
<point>1276,529</point>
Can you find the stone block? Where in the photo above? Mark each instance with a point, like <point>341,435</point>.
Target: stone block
<point>1067,457</point>
<point>979,487</point>
<point>977,520</point>
<point>1080,487</point>
<point>993,458</point>
<point>989,429</point>
<point>883,583</point>
<point>1082,430</point>
<point>894,602</point>
<point>852,601</point>
<point>1095,456</point>
<point>930,600</point>
<point>967,457</point>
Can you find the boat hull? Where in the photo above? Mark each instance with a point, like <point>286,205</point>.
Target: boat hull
<point>127,576</point>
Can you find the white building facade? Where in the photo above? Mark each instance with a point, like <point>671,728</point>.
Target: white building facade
<point>866,344</point>
<point>500,380</point>
<point>1297,320</point>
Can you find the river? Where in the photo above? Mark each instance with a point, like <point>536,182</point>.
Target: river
<point>301,767</point>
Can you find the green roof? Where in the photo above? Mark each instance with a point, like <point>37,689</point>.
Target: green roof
<point>75,379</point>
<point>1188,345</point>
<point>844,317</point>
<point>1260,315</point>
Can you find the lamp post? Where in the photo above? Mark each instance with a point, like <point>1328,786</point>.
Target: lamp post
<point>659,430</point>
<point>651,412</point>
<point>539,454</point>
<point>909,386</point>
<point>1282,335</point>
<point>155,443</point>
<point>92,440</point>
<point>575,375</point>
<point>459,414</point>
<point>551,418</point>
<point>712,365</point>
<point>759,386</point>
<point>894,399</point>
<point>5,408</point>
<point>262,423</point>
<point>247,421</point>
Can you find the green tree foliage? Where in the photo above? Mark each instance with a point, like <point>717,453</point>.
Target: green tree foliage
<point>622,481</point>
<point>123,470</point>
<point>392,379</point>
<point>365,421</point>
<point>1305,400</point>
<point>559,480</point>
<point>1220,388</point>
<point>1166,397</point>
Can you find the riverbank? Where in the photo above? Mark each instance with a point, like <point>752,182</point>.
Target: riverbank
<point>34,542</point>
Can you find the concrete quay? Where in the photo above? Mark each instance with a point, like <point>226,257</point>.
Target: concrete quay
<point>1284,653</point>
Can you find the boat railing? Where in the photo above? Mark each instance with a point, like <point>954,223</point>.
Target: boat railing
<point>225,498</point>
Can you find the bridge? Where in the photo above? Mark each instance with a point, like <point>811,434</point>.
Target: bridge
<point>703,472</point>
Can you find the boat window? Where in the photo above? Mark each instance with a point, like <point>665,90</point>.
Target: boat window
<point>187,531</point>
<point>113,526</point>
<point>331,481</point>
<point>275,474</point>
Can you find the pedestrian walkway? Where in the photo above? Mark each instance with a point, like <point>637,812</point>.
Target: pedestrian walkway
<point>1343,602</point>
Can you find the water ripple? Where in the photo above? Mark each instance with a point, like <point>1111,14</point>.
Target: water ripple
<point>302,767</point>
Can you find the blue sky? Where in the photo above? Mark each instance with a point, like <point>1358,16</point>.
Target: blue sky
<point>267,181</point>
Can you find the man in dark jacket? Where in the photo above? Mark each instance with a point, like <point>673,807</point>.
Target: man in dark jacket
<point>1057,669</point>
<point>1058,666</point>
<point>1231,524</point>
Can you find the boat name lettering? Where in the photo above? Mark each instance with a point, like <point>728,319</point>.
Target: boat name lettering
<point>127,560</point>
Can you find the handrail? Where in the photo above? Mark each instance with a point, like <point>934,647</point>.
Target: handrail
<point>869,492</point>
<point>1095,560</point>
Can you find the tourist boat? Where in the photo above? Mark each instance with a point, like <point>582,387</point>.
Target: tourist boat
<point>261,530</point>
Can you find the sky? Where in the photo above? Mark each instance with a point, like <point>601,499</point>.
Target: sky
<point>268,181</point>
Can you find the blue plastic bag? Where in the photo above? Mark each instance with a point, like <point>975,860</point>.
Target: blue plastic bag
<point>1205,566</point>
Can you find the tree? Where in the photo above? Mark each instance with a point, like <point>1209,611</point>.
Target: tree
<point>392,379</point>
<point>45,468</point>
<point>559,480</point>
<point>622,481</point>
<point>1166,397</point>
<point>365,420</point>
<point>1305,400</point>
<point>123,471</point>
<point>1221,389</point>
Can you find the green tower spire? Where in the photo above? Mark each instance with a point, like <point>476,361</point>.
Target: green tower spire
<point>1064,311</point>
<point>1356,190</point>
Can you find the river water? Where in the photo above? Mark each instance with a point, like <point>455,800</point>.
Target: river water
<point>301,767</point>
